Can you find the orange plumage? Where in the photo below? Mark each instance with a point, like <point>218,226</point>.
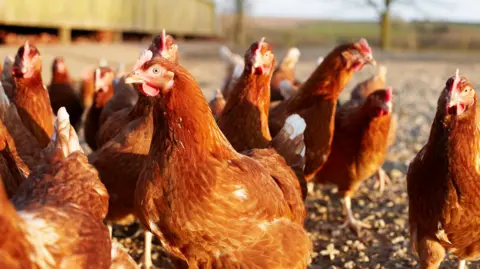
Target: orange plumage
<point>316,101</point>
<point>443,180</point>
<point>208,204</point>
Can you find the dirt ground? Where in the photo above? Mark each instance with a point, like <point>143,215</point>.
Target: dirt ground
<point>417,79</point>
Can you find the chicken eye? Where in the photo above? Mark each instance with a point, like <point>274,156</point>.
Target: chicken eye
<point>155,70</point>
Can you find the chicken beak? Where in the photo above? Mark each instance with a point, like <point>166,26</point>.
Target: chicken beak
<point>371,61</point>
<point>134,78</point>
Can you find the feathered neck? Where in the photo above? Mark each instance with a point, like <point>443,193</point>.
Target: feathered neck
<point>144,106</point>
<point>455,140</point>
<point>251,96</point>
<point>61,78</point>
<point>184,124</point>
<point>34,82</point>
<point>329,78</point>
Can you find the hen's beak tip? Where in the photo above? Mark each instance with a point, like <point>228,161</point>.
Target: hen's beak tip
<point>133,78</point>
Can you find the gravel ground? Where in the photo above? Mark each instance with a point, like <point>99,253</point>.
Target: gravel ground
<point>417,79</point>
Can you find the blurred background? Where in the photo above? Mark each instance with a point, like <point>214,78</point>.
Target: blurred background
<point>390,24</point>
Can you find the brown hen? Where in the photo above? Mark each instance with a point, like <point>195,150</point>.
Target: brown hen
<point>62,93</point>
<point>285,71</point>
<point>66,177</point>
<point>208,204</point>
<point>103,92</point>
<point>443,179</point>
<point>316,101</point>
<point>359,147</point>
<point>31,97</point>
<point>217,104</point>
<point>244,120</point>
<point>162,45</point>
<point>51,236</point>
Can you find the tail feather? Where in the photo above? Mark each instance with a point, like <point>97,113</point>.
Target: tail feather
<point>319,60</point>
<point>292,56</point>
<point>64,136</point>
<point>120,70</point>
<point>290,144</point>
<point>286,89</point>
<point>229,57</point>
<point>7,67</point>
<point>382,72</point>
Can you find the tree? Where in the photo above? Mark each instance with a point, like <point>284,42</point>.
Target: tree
<point>384,8</point>
<point>239,21</point>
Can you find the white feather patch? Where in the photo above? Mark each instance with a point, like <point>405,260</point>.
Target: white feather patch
<point>63,128</point>
<point>286,89</point>
<point>39,233</point>
<point>298,124</point>
<point>319,60</point>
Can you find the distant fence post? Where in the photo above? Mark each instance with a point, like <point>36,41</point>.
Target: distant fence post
<point>65,34</point>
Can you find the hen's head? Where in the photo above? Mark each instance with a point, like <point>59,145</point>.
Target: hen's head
<point>259,58</point>
<point>58,66</point>
<point>103,79</point>
<point>357,55</point>
<point>458,97</point>
<point>154,75</point>
<point>380,102</point>
<point>164,45</point>
<point>27,61</point>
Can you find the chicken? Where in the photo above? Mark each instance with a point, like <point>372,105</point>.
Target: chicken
<point>316,101</point>
<point>245,119</point>
<point>359,147</point>
<point>364,88</point>
<point>87,87</point>
<point>359,94</point>
<point>62,93</point>
<point>443,178</point>
<point>121,158</point>
<point>217,104</point>
<point>21,141</point>
<point>162,45</point>
<point>124,96</point>
<point>285,71</point>
<point>103,92</point>
<point>31,97</point>
<point>7,78</point>
<point>60,211</point>
<point>67,176</point>
<point>208,204</point>
<point>51,236</point>
<point>234,68</point>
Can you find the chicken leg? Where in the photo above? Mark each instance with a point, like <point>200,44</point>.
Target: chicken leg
<point>382,179</point>
<point>350,221</point>
<point>462,264</point>
<point>147,251</point>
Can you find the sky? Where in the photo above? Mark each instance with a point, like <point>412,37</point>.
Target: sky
<point>449,10</point>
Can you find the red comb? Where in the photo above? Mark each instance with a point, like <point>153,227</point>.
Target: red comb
<point>456,80</point>
<point>26,51</point>
<point>144,57</point>
<point>364,46</point>
<point>389,94</point>
<point>164,40</point>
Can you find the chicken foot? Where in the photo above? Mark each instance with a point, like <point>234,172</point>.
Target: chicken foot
<point>147,250</point>
<point>382,180</point>
<point>350,220</point>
